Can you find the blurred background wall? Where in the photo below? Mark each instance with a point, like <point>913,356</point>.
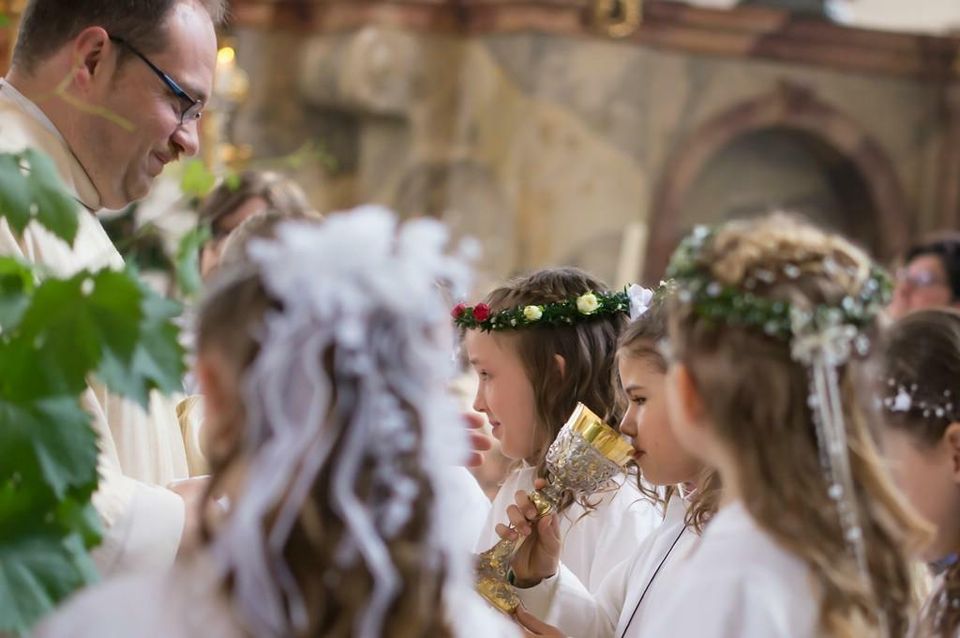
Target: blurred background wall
<point>595,132</point>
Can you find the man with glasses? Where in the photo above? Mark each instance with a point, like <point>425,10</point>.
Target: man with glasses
<point>112,90</point>
<point>929,277</point>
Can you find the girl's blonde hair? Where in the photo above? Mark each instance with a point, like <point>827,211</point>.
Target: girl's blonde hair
<point>756,396</point>
<point>641,340</point>
<point>588,349</point>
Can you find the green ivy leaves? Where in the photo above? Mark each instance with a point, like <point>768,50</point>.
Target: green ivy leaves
<point>189,281</point>
<point>55,334</point>
<point>30,189</point>
<point>157,359</point>
<point>197,180</point>
<point>38,570</point>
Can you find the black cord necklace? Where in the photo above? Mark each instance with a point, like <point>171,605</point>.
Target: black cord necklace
<point>650,582</point>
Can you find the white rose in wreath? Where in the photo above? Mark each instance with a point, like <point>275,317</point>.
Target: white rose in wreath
<point>532,313</point>
<point>588,303</point>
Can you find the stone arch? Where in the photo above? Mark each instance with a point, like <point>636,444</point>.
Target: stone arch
<point>790,108</point>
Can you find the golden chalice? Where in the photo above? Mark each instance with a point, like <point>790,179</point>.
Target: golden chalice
<point>586,454</point>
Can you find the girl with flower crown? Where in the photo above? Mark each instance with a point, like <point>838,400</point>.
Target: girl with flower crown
<point>324,366</point>
<point>920,386</point>
<point>771,322</point>
<point>539,345</point>
<point>629,597</point>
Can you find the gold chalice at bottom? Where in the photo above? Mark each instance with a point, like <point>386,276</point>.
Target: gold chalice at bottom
<point>586,454</point>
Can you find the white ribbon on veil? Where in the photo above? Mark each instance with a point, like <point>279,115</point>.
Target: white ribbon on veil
<point>361,304</point>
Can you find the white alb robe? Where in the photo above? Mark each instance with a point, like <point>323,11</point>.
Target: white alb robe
<point>616,609</point>
<point>187,602</point>
<point>471,509</point>
<point>738,583</point>
<point>138,450</point>
<point>594,541</point>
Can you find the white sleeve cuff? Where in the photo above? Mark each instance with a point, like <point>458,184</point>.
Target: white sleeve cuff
<point>145,535</point>
<point>539,598</point>
<point>562,601</point>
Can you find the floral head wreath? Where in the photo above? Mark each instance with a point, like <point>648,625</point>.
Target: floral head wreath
<point>822,338</point>
<point>633,300</point>
<point>731,305</point>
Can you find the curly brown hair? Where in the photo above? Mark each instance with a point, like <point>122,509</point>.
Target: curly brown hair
<point>230,321</point>
<point>756,396</point>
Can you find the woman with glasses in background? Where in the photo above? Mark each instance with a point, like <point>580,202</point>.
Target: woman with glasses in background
<point>929,276</point>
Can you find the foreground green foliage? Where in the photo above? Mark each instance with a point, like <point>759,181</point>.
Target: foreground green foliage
<point>55,334</point>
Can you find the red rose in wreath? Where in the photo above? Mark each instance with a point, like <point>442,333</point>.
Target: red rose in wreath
<point>481,312</point>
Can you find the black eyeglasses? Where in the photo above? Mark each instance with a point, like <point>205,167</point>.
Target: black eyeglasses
<point>192,112</point>
<point>920,279</point>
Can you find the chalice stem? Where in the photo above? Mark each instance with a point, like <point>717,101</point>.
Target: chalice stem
<point>493,565</point>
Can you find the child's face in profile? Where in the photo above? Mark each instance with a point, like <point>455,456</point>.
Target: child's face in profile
<point>661,458</point>
<point>504,393</point>
<point>928,475</point>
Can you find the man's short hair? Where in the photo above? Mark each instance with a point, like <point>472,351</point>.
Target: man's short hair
<point>946,246</point>
<point>47,25</point>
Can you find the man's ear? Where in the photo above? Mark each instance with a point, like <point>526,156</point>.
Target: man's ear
<point>91,56</point>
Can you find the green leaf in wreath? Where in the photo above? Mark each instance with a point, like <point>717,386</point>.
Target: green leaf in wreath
<point>15,194</point>
<point>36,572</point>
<point>56,209</point>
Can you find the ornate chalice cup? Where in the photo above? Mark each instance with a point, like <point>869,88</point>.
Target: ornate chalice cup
<point>586,454</point>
